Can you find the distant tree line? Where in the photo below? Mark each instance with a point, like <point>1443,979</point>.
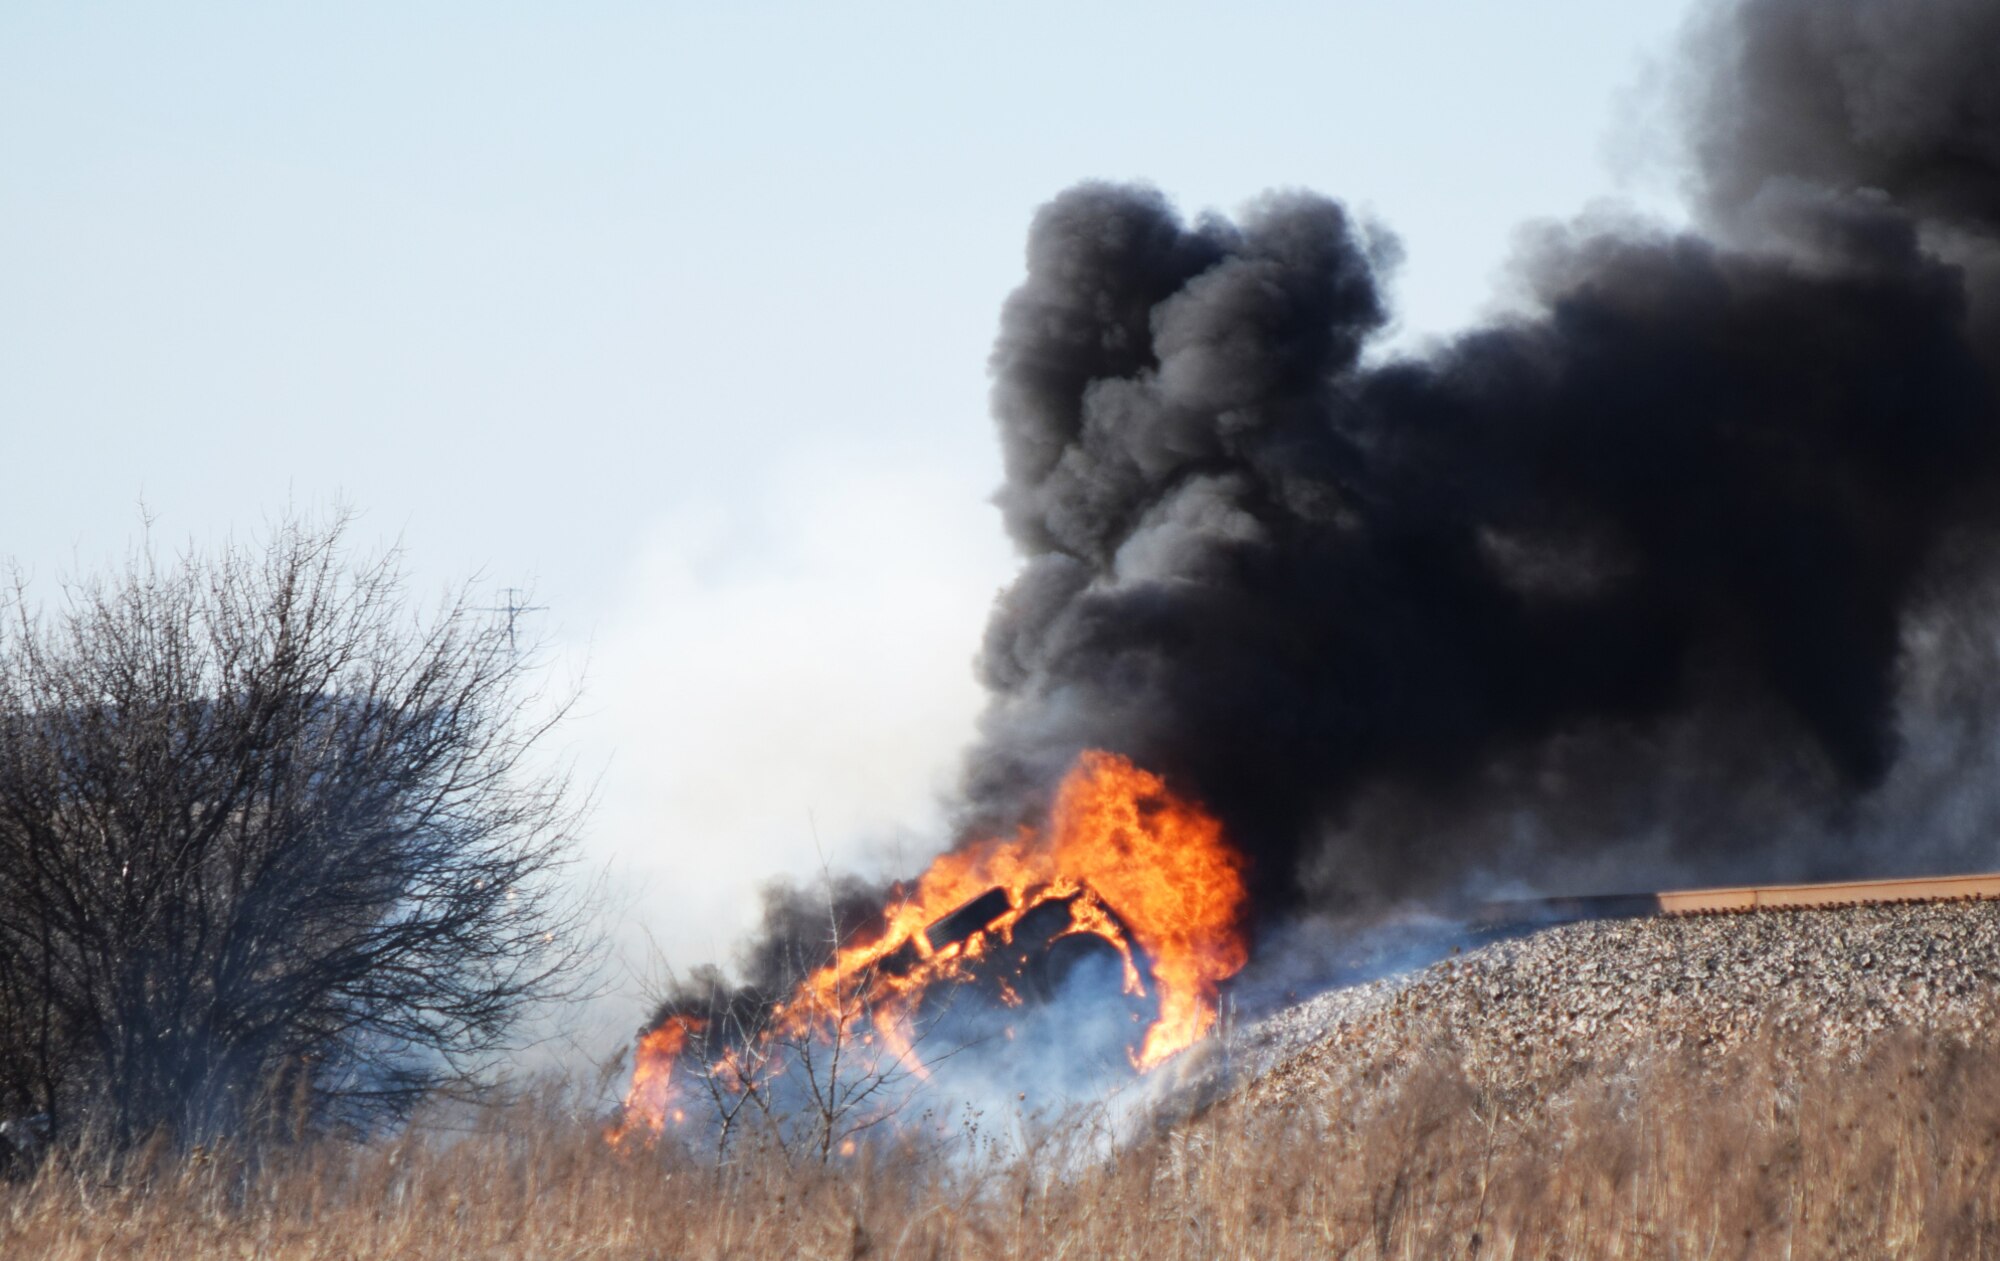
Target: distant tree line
<point>273,847</point>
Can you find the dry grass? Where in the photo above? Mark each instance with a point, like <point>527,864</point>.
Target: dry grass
<point>1746,1155</point>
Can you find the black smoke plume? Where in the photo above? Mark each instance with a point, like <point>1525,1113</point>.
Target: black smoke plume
<point>1686,570</point>
<point>1643,556</point>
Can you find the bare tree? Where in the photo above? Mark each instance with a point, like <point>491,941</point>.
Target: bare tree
<point>265,832</point>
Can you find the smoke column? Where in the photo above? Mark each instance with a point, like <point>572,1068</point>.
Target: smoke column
<point>1689,571</point>
<point>1638,567</point>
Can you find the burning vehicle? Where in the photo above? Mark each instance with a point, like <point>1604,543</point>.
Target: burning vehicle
<point>1121,917</point>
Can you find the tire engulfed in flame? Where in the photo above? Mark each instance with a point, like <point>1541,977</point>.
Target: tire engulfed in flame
<point>1148,873</point>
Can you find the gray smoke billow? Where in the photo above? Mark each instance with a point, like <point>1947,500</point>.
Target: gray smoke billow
<point>1676,571</point>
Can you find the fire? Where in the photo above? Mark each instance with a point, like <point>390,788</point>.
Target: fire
<point>1142,870</point>
<point>648,1103</point>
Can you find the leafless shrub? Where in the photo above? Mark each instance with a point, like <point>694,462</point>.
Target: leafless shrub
<point>803,1066</point>
<point>272,847</point>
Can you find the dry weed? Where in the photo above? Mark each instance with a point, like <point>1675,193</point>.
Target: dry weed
<point>1766,1151</point>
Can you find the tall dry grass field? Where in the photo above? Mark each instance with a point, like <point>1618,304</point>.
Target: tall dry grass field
<point>1748,1155</point>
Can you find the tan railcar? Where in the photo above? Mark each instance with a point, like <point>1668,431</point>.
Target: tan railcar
<point>1511,917</point>
<point>1835,893</point>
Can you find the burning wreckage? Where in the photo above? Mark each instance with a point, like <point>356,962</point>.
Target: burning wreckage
<point>1129,893</point>
<point>1681,567</point>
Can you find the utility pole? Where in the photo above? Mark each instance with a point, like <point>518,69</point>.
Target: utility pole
<point>513,609</point>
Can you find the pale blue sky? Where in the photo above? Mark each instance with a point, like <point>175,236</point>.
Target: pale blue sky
<point>680,314</point>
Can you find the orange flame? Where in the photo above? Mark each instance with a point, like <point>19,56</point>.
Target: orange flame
<point>649,1101</point>
<point>1141,868</point>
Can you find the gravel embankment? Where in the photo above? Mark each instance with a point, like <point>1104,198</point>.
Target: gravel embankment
<point>1537,1009</point>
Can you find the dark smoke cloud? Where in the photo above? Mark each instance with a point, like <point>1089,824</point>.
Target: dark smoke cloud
<point>1896,98</point>
<point>1690,570</point>
<point>1872,114</point>
<point>1647,556</point>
